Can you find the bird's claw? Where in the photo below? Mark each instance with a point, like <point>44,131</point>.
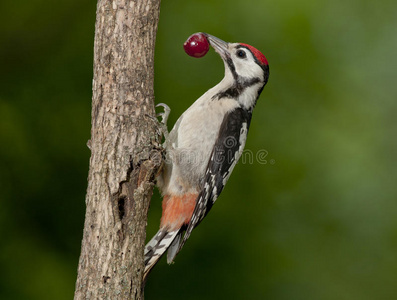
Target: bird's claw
<point>164,118</point>
<point>164,115</point>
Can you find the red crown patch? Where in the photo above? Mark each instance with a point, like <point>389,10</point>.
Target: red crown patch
<point>259,56</point>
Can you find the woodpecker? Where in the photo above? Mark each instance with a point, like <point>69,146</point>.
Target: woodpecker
<point>204,146</point>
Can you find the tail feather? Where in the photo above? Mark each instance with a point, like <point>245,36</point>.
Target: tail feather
<point>157,246</point>
<point>174,248</point>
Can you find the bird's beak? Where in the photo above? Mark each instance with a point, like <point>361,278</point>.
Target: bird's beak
<point>221,47</point>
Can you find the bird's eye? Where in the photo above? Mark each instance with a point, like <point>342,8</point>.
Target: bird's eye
<point>241,54</point>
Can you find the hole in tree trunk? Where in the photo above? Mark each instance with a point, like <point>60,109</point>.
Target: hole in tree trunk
<point>121,204</point>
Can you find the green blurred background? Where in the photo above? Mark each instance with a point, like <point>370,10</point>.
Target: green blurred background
<point>318,220</point>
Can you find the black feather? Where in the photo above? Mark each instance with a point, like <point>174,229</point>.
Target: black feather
<point>224,157</point>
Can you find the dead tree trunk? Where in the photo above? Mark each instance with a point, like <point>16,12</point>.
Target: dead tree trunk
<point>124,155</point>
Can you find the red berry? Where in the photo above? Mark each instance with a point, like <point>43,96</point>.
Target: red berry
<point>196,45</point>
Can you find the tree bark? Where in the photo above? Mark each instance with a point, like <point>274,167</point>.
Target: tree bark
<point>124,151</point>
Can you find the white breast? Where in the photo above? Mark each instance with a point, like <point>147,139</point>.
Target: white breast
<point>192,140</point>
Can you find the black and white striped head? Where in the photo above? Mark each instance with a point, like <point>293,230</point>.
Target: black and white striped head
<point>242,61</point>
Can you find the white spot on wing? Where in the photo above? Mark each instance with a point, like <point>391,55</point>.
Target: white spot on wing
<point>214,194</point>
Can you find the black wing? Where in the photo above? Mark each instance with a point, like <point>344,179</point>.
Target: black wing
<point>224,156</point>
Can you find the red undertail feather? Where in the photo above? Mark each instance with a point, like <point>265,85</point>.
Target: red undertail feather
<point>177,210</point>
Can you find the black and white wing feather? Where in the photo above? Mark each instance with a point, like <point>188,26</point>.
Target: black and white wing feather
<point>224,156</point>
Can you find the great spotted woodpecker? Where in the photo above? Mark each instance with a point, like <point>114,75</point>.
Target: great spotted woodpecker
<point>204,146</point>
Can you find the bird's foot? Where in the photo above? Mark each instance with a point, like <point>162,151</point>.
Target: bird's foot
<point>164,118</point>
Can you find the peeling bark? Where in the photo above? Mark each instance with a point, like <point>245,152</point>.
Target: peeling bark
<point>124,151</point>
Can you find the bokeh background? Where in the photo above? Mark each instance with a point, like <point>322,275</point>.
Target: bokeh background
<point>314,216</point>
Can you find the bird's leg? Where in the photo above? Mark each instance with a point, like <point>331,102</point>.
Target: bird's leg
<point>164,117</point>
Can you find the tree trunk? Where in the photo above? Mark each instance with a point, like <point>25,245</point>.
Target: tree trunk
<point>124,152</point>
